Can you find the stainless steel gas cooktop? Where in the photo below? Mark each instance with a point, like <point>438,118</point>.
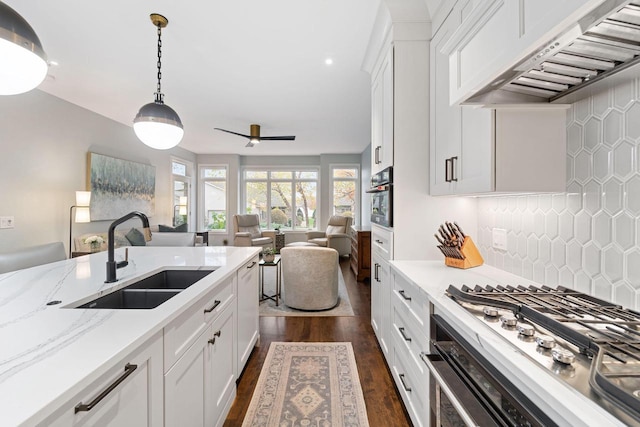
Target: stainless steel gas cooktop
<point>591,344</point>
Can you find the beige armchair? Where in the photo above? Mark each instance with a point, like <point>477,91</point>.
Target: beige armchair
<point>246,229</point>
<point>336,235</point>
<point>309,277</point>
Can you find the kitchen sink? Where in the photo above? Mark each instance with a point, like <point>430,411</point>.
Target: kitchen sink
<point>132,299</point>
<point>149,292</point>
<point>170,279</point>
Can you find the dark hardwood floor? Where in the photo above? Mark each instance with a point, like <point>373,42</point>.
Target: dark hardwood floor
<point>384,407</point>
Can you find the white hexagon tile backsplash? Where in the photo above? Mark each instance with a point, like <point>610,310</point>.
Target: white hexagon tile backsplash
<point>588,238</point>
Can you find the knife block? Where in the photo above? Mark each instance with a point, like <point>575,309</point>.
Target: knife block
<point>472,257</point>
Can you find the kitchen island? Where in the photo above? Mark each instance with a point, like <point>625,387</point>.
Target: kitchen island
<point>52,352</point>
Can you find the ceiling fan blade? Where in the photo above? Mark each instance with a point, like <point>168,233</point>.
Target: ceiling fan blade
<point>278,138</point>
<point>235,133</point>
<point>250,144</point>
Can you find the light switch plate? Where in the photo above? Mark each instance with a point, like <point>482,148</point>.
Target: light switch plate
<point>6,222</point>
<point>499,239</point>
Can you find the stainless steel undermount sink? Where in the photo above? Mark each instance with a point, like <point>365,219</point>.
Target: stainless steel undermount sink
<point>149,292</point>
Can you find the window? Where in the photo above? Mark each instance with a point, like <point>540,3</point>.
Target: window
<point>181,191</point>
<point>344,184</point>
<point>282,198</point>
<point>214,197</point>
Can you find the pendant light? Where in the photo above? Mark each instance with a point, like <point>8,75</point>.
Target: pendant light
<point>23,63</point>
<point>156,124</point>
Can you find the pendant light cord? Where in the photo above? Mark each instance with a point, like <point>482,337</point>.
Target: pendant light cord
<point>159,95</point>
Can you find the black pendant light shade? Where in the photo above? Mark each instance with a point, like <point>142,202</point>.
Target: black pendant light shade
<point>156,124</point>
<point>23,63</point>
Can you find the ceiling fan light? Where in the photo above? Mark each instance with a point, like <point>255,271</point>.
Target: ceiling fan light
<point>158,126</point>
<point>254,140</point>
<point>23,61</point>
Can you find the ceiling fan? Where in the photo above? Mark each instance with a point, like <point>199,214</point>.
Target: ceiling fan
<point>255,138</point>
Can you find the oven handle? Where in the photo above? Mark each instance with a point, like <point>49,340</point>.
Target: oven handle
<point>444,386</point>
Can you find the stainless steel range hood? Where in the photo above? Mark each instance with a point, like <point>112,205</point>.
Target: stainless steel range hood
<point>603,43</point>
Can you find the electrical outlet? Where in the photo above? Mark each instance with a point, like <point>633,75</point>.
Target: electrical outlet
<point>499,239</point>
<point>6,222</point>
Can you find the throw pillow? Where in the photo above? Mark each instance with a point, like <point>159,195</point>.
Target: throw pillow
<point>182,228</point>
<point>135,237</point>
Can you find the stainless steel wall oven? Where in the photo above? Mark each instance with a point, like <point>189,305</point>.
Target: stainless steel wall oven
<point>382,197</point>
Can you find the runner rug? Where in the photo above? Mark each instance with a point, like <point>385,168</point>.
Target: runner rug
<point>308,384</point>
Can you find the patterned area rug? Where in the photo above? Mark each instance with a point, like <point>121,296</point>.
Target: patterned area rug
<point>308,384</point>
<point>269,307</point>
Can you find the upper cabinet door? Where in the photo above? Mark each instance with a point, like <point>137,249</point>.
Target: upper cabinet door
<point>382,114</point>
<point>445,120</point>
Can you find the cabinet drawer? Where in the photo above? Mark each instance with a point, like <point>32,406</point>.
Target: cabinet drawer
<point>382,243</point>
<point>413,388</point>
<point>409,336</point>
<point>412,300</point>
<point>186,328</point>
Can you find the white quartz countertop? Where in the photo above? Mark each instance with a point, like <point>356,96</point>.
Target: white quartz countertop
<point>48,353</point>
<point>561,402</point>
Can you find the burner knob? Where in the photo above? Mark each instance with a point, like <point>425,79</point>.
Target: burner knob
<point>508,320</point>
<point>526,330</point>
<point>490,311</point>
<point>563,356</point>
<point>546,341</point>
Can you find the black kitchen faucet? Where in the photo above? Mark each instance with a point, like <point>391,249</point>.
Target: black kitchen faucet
<point>112,265</point>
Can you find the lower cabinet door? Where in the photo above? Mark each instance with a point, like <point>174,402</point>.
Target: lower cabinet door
<point>220,358</point>
<point>248,312</point>
<point>184,386</point>
<point>130,394</point>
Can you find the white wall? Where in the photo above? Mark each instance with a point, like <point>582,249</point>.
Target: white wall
<point>44,142</point>
<point>589,237</point>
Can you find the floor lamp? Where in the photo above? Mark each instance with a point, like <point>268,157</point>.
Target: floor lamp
<point>83,214</point>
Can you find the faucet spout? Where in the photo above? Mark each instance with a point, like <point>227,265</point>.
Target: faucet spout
<point>112,266</point>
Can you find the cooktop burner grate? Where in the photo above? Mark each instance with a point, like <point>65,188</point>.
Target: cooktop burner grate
<point>607,333</point>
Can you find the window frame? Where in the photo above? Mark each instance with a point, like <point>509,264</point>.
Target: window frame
<point>188,180</point>
<point>356,180</point>
<point>202,214</point>
<point>293,180</point>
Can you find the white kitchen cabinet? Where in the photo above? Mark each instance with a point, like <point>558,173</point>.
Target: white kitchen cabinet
<point>247,312</point>
<point>382,114</point>
<point>499,34</point>
<point>128,394</point>
<point>200,386</point>
<point>220,368</point>
<point>480,150</point>
<point>410,330</point>
<point>381,252</point>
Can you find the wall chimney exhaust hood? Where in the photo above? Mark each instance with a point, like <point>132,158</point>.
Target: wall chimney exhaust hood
<point>601,44</point>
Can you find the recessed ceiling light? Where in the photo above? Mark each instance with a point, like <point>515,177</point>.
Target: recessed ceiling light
<point>328,61</point>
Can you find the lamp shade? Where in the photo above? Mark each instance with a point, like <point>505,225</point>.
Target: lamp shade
<point>23,63</point>
<point>83,214</point>
<point>83,198</point>
<point>158,126</point>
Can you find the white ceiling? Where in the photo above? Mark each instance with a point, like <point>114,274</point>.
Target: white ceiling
<point>225,64</point>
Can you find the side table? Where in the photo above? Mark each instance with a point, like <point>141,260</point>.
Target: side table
<point>262,264</point>
<point>205,237</point>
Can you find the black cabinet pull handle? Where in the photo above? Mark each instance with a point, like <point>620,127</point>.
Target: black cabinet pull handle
<point>404,384</point>
<point>406,338</point>
<point>375,272</point>
<point>252,264</point>
<point>454,176</point>
<point>213,340</point>
<point>128,370</point>
<point>401,292</point>
<point>379,242</point>
<point>447,168</point>
<point>215,304</point>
